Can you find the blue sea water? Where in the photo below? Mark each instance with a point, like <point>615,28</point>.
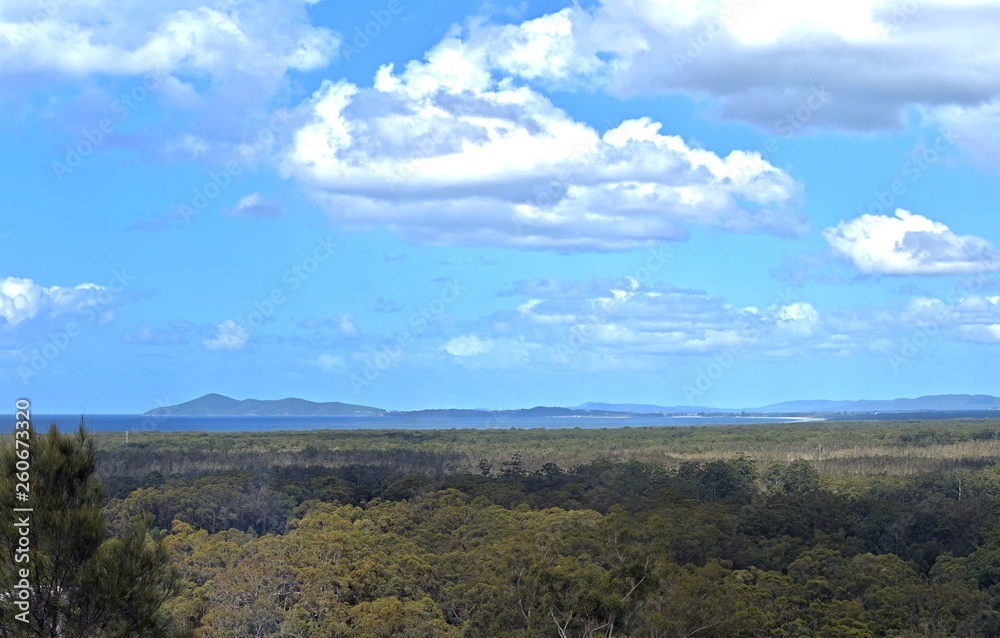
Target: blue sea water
<point>133,423</point>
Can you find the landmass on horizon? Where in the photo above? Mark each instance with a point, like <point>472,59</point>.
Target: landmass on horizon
<point>219,405</point>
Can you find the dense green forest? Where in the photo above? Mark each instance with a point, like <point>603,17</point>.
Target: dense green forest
<point>809,529</point>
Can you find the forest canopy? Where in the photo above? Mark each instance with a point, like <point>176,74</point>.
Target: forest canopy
<point>799,530</point>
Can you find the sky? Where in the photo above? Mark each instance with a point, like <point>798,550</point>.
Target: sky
<point>407,204</point>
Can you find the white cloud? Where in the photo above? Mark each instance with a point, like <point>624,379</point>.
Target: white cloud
<point>180,37</point>
<point>467,346</point>
<point>218,65</point>
<point>449,154</point>
<point>759,58</point>
<point>756,60</point>
<point>982,333</point>
<point>624,319</point>
<point>551,325</point>
<point>490,353</point>
<point>328,363</point>
<point>909,244</point>
<point>760,61</point>
<point>551,47</point>
<point>797,317</point>
<point>229,336</point>
<point>973,318</point>
<point>976,127</point>
<point>921,311</point>
<point>23,299</point>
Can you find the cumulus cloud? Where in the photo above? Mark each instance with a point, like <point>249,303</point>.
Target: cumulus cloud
<point>602,324</point>
<point>217,65</point>
<point>490,353</point>
<point>798,317</point>
<point>977,127</point>
<point>909,244</point>
<point>556,48</point>
<point>220,39</point>
<point>596,323</point>
<point>760,59</point>
<point>452,151</point>
<point>229,336</point>
<point>22,300</point>
<point>626,319</point>
<point>756,61</point>
<point>973,318</point>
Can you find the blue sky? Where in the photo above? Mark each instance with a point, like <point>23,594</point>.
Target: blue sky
<point>500,204</point>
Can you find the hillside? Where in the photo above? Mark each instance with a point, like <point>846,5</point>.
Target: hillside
<point>219,405</point>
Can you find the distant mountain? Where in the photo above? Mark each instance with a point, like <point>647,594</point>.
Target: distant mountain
<point>941,402</point>
<point>219,405</point>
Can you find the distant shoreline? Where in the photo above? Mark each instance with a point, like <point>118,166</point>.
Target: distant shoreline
<point>485,421</point>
